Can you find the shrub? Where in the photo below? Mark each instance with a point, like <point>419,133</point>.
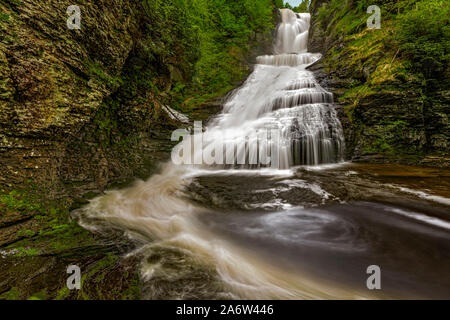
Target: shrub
<point>424,37</point>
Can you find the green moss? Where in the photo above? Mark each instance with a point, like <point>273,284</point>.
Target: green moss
<point>26,252</point>
<point>50,231</point>
<point>403,63</point>
<point>26,233</point>
<point>62,293</point>
<point>390,139</point>
<point>208,39</point>
<point>103,264</point>
<point>41,295</point>
<point>4,17</point>
<point>98,72</point>
<point>66,236</point>
<point>12,294</point>
<point>20,201</point>
<point>94,282</point>
<point>134,290</point>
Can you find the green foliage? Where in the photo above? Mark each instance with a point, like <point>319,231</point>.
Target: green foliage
<point>12,294</point>
<point>302,7</point>
<point>420,29</point>
<point>17,201</point>
<point>424,37</point>
<point>41,295</point>
<point>102,76</point>
<point>26,252</point>
<point>279,4</point>
<point>4,17</point>
<point>205,39</point>
<point>407,56</point>
<point>170,32</point>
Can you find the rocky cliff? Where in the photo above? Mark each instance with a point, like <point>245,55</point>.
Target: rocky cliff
<point>392,83</point>
<point>81,110</point>
<point>56,81</point>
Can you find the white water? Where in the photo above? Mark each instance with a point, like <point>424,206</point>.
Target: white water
<point>279,93</point>
<point>425,195</point>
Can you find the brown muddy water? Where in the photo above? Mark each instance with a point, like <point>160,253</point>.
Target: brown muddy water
<point>303,233</point>
<point>307,232</point>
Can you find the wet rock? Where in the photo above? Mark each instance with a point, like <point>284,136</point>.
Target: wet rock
<point>388,116</point>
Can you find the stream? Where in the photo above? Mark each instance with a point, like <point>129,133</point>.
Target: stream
<point>280,214</point>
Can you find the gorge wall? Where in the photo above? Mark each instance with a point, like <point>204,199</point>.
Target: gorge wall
<point>81,110</point>
<point>392,83</point>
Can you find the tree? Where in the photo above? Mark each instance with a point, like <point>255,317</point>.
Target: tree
<point>302,7</point>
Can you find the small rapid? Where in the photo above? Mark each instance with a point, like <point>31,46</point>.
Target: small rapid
<point>243,252</point>
<point>279,94</point>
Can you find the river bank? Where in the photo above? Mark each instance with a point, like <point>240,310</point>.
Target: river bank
<point>350,214</point>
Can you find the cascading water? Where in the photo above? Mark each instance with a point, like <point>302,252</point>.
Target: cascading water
<point>279,96</point>
<point>282,97</point>
<point>292,34</point>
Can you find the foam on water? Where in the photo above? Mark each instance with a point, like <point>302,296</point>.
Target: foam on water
<point>279,94</point>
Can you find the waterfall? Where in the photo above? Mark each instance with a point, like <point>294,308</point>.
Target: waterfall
<point>281,117</point>
<point>280,103</point>
<point>229,233</point>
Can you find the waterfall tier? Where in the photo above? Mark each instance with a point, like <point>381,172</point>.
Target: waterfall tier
<point>281,116</point>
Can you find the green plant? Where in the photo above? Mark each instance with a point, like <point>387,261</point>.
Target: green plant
<point>207,38</point>
<point>4,17</point>
<point>424,37</point>
<point>17,201</point>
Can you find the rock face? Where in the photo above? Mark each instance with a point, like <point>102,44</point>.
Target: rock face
<point>77,111</point>
<point>82,111</point>
<point>388,113</point>
<point>54,81</point>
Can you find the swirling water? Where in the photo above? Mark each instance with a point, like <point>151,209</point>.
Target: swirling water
<point>305,228</point>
